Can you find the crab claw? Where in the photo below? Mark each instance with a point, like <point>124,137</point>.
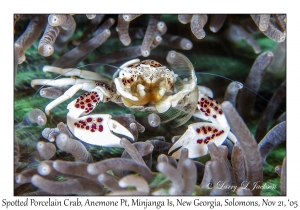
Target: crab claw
<point>97,129</point>
<point>197,137</point>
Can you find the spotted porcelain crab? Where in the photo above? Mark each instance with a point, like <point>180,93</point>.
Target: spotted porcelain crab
<point>146,86</point>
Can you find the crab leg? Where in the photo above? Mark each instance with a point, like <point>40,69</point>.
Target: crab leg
<point>89,75</point>
<point>58,82</point>
<point>68,94</point>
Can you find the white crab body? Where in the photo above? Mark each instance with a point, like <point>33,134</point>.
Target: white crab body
<point>144,83</point>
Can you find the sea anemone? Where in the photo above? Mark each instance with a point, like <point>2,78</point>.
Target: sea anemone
<point>232,55</point>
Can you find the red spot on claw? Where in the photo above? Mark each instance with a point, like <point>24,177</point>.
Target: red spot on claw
<point>198,130</point>
<point>94,126</point>
<point>100,128</point>
<point>199,141</point>
<point>87,127</point>
<point>99,119</point>
<point>77,105</point>
<point>214,116</point>
<point>89,119</point>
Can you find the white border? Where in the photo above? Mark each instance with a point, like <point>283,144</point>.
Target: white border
<point>138,6</point>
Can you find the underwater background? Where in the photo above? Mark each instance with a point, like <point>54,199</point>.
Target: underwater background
<point>227,53</point>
